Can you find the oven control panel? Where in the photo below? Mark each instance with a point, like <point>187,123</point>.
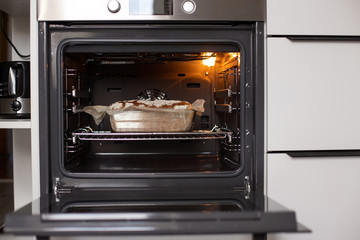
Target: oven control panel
<point>151,10</point>
<point>150,7</point>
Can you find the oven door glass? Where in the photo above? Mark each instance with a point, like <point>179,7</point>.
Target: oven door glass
<point>121,214</point>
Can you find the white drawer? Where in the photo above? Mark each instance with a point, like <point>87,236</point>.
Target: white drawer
<point>313,95</point>
<point>324,192</point>
<point>313,17</point>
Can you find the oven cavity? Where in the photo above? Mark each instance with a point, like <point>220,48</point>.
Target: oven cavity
<point>94,75</point>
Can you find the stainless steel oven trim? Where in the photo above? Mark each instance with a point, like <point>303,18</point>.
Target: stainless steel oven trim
<point>93,10</point>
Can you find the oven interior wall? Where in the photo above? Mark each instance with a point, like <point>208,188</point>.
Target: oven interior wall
<point>102,79</point>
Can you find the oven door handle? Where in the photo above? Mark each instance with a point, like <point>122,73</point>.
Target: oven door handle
<point>321,153</point>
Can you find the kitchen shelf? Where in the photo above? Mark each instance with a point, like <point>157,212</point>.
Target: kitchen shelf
<point>111,136</point>
<point>15,124</point>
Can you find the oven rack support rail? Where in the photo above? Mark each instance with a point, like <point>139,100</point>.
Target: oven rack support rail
<point>227,93</point>
<point>112,136</point>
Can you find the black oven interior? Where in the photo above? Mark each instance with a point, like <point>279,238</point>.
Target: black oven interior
<point>103,73</point>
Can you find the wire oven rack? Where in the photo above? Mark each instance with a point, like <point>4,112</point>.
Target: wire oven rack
<point>131,136</point>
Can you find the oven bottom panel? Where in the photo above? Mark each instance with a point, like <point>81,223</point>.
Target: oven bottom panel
<point>155,163</point>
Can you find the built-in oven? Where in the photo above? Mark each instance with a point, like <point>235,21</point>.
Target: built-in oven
<point>206,179</point>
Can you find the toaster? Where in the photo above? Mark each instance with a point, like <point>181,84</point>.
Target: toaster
<point>15,89</point>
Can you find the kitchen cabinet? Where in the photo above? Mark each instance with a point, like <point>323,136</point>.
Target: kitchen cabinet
<point>23,32</point>
<point>324,192</point>
<point>21,165</point>
<point>313,95</point>
<point>313,17</point>
<point>21,160</point>
<point>19,33</point>
<point>15,123</point>
<point>15,7</point>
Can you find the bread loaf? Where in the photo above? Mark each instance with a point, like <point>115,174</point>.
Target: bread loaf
<point>155,104</point>
<point>148,116</point>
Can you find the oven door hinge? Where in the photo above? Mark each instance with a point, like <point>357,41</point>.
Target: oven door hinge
<point>246,188</point>
<point>58,189</point>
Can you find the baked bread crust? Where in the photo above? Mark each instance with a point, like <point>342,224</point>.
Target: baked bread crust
<point>155,104</point>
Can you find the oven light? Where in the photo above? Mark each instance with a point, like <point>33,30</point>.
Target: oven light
<point>235,55</point>
<point>209,61</point>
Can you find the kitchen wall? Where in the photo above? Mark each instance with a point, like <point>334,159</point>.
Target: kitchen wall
<point>19,33</point>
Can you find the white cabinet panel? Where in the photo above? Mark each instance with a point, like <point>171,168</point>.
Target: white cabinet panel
<point>22,167</point>
<point>324,192</point>
<point>313,95</point>
<point>15,123</point>
<point>313,17</point>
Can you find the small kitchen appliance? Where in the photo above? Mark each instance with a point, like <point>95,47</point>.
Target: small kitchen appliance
<point>15,89</point>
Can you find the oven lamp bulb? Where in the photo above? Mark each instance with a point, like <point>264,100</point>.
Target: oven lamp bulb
<point>210,62</point>
<point>235,55</point>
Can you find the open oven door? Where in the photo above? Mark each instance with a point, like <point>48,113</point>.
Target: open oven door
<point>122,213</point>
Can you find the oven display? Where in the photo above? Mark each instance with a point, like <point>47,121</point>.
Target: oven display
<point>150,7</point>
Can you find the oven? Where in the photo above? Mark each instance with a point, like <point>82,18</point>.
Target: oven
<point>207,179</point>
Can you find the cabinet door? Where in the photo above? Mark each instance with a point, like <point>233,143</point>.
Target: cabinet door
<point>324,192</point>
<point>313,95</point>
<point>313,17</point>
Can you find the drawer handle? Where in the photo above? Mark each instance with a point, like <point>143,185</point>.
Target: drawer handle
<point>317,38</point>
<point>324,38</point>
<point>323,153</point>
